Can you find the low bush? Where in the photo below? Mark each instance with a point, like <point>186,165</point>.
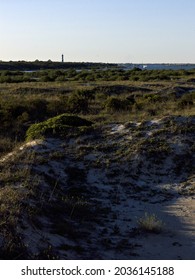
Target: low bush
<point>77,104</point>
<point>186,100</point>
<point>55,127</point>
<point>115,104</point>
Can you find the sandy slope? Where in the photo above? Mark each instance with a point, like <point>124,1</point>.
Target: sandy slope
<point>119,172</point>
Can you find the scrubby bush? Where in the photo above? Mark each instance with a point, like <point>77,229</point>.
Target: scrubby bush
<point>186,100</point>
<point>77,104</point>
<point>116,104</point>
<point>37,108</point>
<point>55,127</point>
<point>87,94</point>
<point>56,106</point>
<point>153,98</point>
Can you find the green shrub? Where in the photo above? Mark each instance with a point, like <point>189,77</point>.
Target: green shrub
<point>38,108</point>
<point>55,127</point>
<point>56,106</point>
<point>153,97</point>
<point>77,104</point>
<point>86,93</point>
<point>186,100</point>
<point>116,104</point>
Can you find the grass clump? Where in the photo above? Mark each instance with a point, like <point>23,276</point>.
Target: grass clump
<point>55,127</point>
<point>114,104</point>
<point>150,223</point>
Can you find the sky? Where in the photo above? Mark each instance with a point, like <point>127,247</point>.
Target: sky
<point>118,31</point>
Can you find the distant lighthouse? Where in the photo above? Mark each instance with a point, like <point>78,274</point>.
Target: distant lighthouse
<point>62,58</point>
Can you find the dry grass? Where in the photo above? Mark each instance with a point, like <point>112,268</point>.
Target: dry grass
<point>150,223</point>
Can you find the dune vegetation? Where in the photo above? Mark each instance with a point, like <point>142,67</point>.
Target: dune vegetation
<point>84,154</point>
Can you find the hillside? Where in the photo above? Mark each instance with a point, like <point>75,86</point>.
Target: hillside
<point>121,190</point>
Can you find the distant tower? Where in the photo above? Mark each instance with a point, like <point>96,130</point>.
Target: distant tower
<point>62,58</point>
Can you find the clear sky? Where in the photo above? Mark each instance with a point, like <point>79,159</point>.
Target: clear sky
<point>128,31</point>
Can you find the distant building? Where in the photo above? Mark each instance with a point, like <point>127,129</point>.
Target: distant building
<point>62,58</point>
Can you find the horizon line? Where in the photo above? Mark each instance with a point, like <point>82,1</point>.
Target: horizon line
<point>100,62</point>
